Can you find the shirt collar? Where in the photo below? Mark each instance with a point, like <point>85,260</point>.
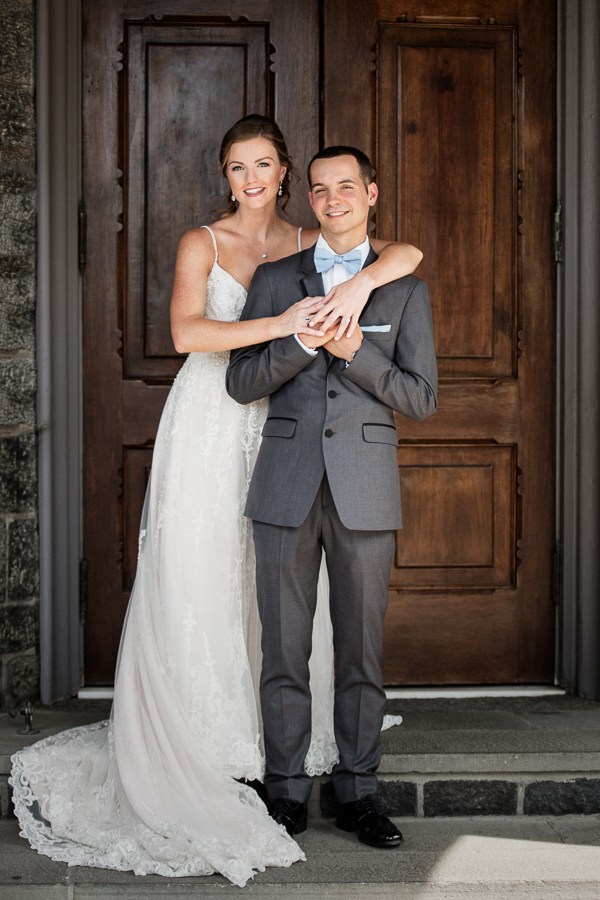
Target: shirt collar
<point>364,248</point>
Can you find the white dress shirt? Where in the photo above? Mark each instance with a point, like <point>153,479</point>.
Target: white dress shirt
<point>337,274</point>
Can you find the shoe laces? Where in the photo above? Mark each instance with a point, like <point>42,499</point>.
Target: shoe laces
<point>367,805</point>
<point>283,806</point>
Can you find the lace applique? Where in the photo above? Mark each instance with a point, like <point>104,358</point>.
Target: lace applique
<point>152,790</point>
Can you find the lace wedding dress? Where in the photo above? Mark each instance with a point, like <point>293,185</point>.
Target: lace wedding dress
<point>154,789</point>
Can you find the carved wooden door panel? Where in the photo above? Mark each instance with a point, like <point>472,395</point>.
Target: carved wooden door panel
<point>457,110</point>
<point>162,83</point>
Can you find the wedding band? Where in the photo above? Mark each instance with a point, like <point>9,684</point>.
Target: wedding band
<point>345,320</point>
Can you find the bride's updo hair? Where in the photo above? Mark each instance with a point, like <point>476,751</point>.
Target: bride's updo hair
<point>252,127</point>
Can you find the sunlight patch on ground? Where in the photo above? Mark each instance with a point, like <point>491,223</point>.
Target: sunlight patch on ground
<point>474,858</point>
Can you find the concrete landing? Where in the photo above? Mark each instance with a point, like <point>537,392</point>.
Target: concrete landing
<point>472,859</point>
<point>480,754</point>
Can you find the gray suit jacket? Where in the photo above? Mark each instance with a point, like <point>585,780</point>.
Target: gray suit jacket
<point>325,417</point>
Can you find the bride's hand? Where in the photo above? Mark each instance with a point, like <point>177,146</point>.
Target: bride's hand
<point>295,319</point>
<point>345,301</point>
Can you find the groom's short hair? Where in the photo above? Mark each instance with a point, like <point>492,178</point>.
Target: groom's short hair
<point>364,163</point>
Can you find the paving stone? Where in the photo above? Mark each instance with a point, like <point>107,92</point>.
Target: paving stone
<point>18,627</point>
<point>3,540</point>
<point>18,464</point>
<point>16,40</point>
<point>469,798</point>
<point>395,798</point>
<point>581,796</point>
<point>16,176</point>
<point>17,313</point>
<point>23,560</point>
<point>22,678</point>
<point>18,396</point>
<point>17,123</point>
<point>16,266</point>
<point>4,801</point>
<point>17,224</point>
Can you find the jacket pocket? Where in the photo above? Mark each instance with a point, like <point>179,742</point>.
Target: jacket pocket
<point>377,335</point>
<point>380,434</point>
<point>279,427</point>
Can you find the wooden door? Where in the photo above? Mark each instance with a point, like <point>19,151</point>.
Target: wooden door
<point>162,83</point>
<point>455,102</point>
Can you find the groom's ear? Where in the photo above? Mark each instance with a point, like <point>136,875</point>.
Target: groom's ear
<point>373,193</point>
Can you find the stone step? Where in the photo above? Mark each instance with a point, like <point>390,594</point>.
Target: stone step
<point>492,756</point>
<point>481,858</point>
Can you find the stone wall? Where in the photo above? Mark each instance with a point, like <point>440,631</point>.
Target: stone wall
<point>19,570</point>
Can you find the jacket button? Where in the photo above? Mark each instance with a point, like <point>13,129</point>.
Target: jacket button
<point>329,433</point>
<point>332,394</point>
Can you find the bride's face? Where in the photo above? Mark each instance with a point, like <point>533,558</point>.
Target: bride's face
<point>254,172</point>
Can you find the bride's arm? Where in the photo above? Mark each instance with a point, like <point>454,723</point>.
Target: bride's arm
<point>348,300</point>
<point>192,333</point>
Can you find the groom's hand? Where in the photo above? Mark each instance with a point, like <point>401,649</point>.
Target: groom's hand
<point>344,347</point>
<point>314,341</point>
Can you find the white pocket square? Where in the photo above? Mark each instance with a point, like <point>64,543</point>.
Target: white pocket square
<point>375,327</point>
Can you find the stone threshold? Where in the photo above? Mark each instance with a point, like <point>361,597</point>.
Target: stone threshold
<point>451,757</point>
<point>468,794</point>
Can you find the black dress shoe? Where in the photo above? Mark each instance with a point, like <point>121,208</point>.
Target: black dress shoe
<point>289,813</point>
<point>371,826</point>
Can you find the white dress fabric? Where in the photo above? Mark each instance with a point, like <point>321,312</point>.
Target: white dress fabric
<point>152,790</point>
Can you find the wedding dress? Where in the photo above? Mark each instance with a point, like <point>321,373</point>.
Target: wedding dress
<point>153,789</point>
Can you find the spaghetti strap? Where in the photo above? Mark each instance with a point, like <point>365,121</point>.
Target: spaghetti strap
<point>214,240</point>
<point>299,244</point>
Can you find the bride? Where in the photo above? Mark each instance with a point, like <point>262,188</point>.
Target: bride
<point>155,789</point>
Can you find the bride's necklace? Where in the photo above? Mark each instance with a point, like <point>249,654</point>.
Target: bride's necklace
<point>264,255</point>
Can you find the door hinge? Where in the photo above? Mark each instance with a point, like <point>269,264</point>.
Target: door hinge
<point>82,237</point>
<point>557,238</point>
<point>557,574</point>
<point>82,590</point>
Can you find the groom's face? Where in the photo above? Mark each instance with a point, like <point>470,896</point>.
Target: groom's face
<point>340,199</point>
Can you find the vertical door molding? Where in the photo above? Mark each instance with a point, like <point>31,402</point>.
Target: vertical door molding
<point>159,90</point>
<point>578,282</point>
<point>58,111</point>
<point>457,110</point>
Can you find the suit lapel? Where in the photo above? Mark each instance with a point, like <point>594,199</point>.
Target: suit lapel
<point>311,281</point>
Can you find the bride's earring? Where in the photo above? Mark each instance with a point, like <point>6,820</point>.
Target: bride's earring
<point>232,197</point>
<point>280,191</point>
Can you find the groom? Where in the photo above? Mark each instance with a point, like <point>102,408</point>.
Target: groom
<point>327,477</point>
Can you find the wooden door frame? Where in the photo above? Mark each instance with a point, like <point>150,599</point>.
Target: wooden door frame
<point>58,54</point>
<point>578,321</point>
<point>58,342</point>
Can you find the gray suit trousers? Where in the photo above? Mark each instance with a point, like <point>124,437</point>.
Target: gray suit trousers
<point>359,564</point>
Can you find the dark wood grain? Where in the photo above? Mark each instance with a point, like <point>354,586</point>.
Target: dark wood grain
<point>451,638</point>
<point>184,85</point>
<point>142,408</point>
<point>458,523</point>
<point>162,83</point>
<point>102,364</point>
<point>472,183</point>
<point>455,104</point>
<point>137,463</point>
<point>447,181</point>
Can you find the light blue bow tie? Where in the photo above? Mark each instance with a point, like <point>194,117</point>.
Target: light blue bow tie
<point>325,259</point>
